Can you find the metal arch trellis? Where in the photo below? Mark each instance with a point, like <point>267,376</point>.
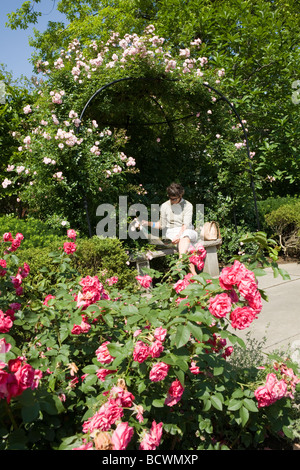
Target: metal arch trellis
<point>222,97</point>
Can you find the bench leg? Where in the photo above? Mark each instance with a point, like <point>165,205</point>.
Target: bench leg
<point>142,264</point>
<point>211,265</point>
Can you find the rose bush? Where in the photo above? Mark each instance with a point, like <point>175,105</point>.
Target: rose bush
<point>91,366</point>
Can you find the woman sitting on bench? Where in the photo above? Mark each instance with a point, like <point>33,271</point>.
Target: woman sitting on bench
<point>176,221</point>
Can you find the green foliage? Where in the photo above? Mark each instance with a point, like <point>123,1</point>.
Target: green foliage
<point>37,234</point>
<point>285,222</point>
<point>104,257</point>
<point>217,409</point>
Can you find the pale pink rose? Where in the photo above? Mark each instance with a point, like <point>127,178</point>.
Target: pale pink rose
<point>4,346</point>
<point>159,372</point>
<point>160,333</point>
<point>220,305</point>
<point>242,317</point>
<point>103,354</point>
<point>122,436</point>
<point>71,234</point>
<point>141,352</point>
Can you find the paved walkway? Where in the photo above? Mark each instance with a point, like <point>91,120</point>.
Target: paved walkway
<point>279,320</point>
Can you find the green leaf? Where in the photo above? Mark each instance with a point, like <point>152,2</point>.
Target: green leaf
<point>234,405</point>
<point>244,415</point>
<point>216,402</point>
<point>250,405</point>
<point>182,335</point>
<point>195,330</point>
<point>30,413</point>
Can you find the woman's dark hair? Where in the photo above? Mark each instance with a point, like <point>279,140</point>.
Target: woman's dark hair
<point>175,190</point>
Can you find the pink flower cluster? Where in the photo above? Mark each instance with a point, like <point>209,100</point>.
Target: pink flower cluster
<point>16,376</point>
<point>142,350</point>
<point>110,414</point>
<point>198,256</point>
<point>7,317</point>
<point>237,277</point>
<point>151,440</point>
<point>92,291</point>
<point>15,242</point>
<point>275,389</point>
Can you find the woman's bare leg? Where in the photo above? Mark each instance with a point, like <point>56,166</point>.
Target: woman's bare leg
<point>183,247</point>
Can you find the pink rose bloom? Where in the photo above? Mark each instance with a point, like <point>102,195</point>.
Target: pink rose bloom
<point>7,237</point>
<point>160,333</point>
<point>76,330</point>
<point>141,352</point>
<point>145,281</point>
<point>159,372</point>
<point>174,393</point>
<point>197,261</point>
<point>242,317</point>
<point>232,275</point>
<point>112,280</point>
<point>248,286</point>
<point>103,354</point>
<point>3,263</point>
<point>156,349</point>
<point>71,234</point>
<point>255,302</point>
<point>91,284</point>
<point>69,247</point>
<point>152,439</point>
<point>5,323</point>
<point>4,346</point>
<point>181,284</point>
<point>108,414</point>
<point>220,305</point>
<point>102,373</point>
<point>3,384</point>
<point>122,436</point>
<point>25,377</point>
<point>122,397</point>
<point>262,396</point>
<point>194,368</point>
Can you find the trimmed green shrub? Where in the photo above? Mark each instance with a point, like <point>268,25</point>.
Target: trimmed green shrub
<point>285,221</point>
<point>36,233</point>
<point>104,256</point>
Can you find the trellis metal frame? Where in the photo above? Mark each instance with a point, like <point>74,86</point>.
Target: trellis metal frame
<point>222,97</point>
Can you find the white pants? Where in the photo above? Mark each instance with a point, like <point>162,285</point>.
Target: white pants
<point>172,233</point>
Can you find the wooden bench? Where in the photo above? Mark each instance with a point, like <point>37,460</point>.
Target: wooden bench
<point>211,265</point>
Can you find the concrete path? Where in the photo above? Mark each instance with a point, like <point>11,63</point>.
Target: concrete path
<point>279,320</point>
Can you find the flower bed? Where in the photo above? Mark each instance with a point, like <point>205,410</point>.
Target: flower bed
<point>92,366</point>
